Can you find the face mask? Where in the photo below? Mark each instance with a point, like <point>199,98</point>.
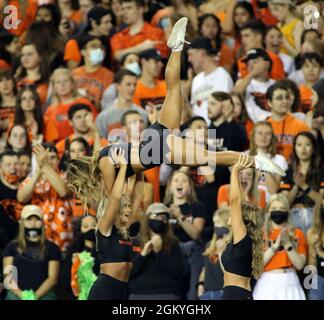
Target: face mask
<point>134,67</point>
<point>89,235</point>
<point>278,216</point>
<point>157,226</point>
<point>134,229</point>
<point>33,232</point>
<point>11,178</point>
<point>220,231</point>
<point>322,214</point>
<point>96,56</point>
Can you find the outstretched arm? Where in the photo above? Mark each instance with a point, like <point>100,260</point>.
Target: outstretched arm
<point>236,199</point>
<point>106,222</point>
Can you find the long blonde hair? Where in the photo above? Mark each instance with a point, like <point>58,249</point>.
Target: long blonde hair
<point>55,98</point>
<point>272,148</point>
<point>252,219</point>
<point>21,239</point>
<point>223,214</point>
<point>191,197</point>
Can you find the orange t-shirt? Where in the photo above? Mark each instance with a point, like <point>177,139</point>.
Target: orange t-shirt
<point>306,95</point>
<point>280,259</point>
<point>264,14</point>
<point>123,40</point>
<point>60,146</point>
<point>41,88</point>
<point>57,212</point>
<point>226,56</point>
<point>76,16</point>
<point>277,70</point>
<point>94,83</point>
<point>223,196</point>
<point>153,176</point>
<point>285,131</point>
<point>72,51</point>
<point>26,15</point>
<point>58,114</point>
<point>143,94</point>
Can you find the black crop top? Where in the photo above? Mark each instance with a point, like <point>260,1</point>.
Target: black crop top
<point>237,258</point>
<point>113,248</point>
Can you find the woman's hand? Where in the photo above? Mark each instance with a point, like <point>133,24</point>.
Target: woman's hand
<point>148,247</point>
<point>118,157</point>
<point>157,243</point>
<point>175,211</point>
<point>41,155</point>
<point>243,162</point>
<point>200,290</point>
<point>313,238</point>
<point>277,243</point>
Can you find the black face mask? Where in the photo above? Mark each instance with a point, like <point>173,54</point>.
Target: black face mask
<point>157,226</point>
<point>278,216</point>
<point>134,229</point>
<point>89,235</point>
<point>33,232</point>
<point>220,231</point>
<point>322,214</point>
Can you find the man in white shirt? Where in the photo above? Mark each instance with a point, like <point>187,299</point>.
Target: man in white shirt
<point>210,77</point>
<point>255,85</point>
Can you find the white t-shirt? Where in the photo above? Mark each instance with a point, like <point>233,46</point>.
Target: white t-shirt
<point>288,62</point>
<point>204,85</point>
<point>255,98</point>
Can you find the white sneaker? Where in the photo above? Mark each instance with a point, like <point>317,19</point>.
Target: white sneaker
<point>263,163</point>
<point>177,37</point>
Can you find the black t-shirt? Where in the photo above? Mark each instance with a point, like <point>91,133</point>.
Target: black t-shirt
<point>214,277</point>
<point>191,211</point>
<point>230,136</point>
<point>287,183</point>
<point>32,268</point>
<point>8,207</point>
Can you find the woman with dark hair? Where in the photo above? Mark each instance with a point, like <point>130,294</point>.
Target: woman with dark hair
<point>29,115</point>
<point>84,241</point>
<point>9,46</point>
<point>18,139</point>
<point>317,125</point>
<point>43,35</point>
<point>7,103</point>
<point>33,69</point>
<point>49,13</point>
<point>303,180</point>
<point>33,258</point>
<point>158,270</point>
<point>210,27</point>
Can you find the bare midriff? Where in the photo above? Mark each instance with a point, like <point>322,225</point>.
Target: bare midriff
<point>231,279</point>
<point>117,270</point>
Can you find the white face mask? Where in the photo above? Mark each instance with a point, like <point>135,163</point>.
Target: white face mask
<point>134,67</point>
<point>97,56</point>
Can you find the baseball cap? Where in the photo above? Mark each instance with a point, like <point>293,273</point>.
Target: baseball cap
<point>32,210</point>
<point>151,54</point>
<point>158,208</point>
<point>256,53</point>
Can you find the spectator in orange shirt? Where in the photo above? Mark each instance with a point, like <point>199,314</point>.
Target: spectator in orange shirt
<point>139,35</point>
<point>100,22</point>
<point>46,188</point>
<point>92,77</point>
<point>64,95</point>
<point>284,124</point>
<point>210,27</point>
<point>7,101</point>
<point>252,36</point>
<point>249,183</point>
<point>149,89</point>
<point>29,115</point>
<point>312,66</point>
<point>81,120</point>
<point>285,253</point>
<point>33,70</point>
